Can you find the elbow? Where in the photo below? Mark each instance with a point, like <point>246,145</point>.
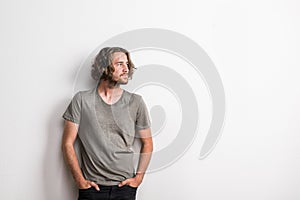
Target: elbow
<point>151,147</point>
<point>65,146</point>
<point>148,146</point>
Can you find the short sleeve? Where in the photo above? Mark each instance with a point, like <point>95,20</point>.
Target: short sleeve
<point>143,118</point>
<point>74,109</point>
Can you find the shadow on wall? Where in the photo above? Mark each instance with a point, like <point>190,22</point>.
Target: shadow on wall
<point>58,182</point>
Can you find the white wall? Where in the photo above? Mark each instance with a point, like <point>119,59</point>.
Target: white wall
<point>254,45</point>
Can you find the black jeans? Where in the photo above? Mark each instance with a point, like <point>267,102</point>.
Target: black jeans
<point>108,193</point>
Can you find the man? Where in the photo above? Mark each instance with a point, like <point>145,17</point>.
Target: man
<point>107,120</point>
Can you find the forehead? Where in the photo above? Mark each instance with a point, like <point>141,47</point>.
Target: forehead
<point>119,56</point>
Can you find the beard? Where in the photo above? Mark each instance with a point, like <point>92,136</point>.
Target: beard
<point>121,80</point>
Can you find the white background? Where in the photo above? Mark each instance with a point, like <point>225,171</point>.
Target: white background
<point>254,45</point>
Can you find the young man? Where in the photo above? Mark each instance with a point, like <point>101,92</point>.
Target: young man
<point>106,120</point>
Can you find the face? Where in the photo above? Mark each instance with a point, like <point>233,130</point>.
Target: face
<point>120,64</point>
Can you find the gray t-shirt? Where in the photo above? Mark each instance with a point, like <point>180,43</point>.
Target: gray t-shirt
<point>106,134</point>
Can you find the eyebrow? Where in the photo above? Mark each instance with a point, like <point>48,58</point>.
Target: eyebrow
<point>122,62</point>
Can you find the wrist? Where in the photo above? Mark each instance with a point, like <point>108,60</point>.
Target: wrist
<point>81,182</point>
<point>139,175</point>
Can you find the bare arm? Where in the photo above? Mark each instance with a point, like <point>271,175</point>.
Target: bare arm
<point>146,152</point>
<point>145,156</point>
<point>69,137</point>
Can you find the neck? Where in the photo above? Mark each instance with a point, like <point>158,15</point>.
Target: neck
<point>109,89</point>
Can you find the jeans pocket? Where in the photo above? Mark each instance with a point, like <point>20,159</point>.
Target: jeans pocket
<point>84,194</point>
<point>86,190</point>
<point>135,188</point>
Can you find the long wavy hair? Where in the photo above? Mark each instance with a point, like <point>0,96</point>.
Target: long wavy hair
<point>102,67</point>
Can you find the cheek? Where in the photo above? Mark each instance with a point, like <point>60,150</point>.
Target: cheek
<point>118,71</point>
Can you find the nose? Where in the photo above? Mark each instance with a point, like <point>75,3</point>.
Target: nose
<point>125,68</point>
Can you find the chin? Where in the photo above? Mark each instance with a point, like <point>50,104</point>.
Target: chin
<point>122,82</point>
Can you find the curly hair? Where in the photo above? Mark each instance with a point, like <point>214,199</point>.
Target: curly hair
<point>102,67</point>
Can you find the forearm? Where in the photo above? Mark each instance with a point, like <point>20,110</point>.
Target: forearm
<point>144,159</point>
<point>72,162</point>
